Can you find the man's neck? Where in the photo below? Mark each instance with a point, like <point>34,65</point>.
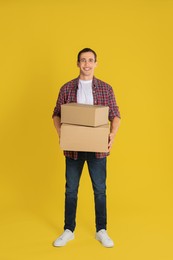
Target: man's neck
<point>82,77</point>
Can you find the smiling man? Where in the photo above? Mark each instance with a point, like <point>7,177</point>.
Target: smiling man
<point>87,63</point>
<point>86,89</point>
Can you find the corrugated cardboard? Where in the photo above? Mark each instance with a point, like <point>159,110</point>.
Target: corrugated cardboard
<point>81,114</point>
<point>84,138</point>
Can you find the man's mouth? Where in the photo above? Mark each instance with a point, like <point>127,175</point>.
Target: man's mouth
<point>86,69</point>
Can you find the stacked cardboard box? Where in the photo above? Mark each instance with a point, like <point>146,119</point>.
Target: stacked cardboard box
<point>84,127</point>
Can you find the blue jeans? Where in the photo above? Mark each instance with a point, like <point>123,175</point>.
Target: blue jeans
<point>97,171</point>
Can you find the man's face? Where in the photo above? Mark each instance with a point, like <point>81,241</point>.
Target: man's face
<point>87,65</point>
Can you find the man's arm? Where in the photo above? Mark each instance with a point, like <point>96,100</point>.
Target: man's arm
<point>115,123</point>
<point>57,124</point>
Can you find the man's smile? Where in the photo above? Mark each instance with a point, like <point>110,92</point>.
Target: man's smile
<point>86,68</point>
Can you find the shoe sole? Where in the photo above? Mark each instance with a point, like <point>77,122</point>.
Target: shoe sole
<point>65,243</point>
<point>103,244</point>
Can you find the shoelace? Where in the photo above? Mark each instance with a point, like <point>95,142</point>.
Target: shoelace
<point>105,235</point>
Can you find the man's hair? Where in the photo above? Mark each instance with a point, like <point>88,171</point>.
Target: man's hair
<point>86,50</point>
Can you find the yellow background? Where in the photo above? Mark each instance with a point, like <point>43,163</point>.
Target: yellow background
<point>38,47</point>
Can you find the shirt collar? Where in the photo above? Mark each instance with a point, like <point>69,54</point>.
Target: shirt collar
<point>94,82</point>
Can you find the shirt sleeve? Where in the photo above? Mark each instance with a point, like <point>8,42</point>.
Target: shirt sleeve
<point>113,107</point>
<point>59,102</point>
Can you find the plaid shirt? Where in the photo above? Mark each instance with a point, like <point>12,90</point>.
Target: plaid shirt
<point>102,95</point>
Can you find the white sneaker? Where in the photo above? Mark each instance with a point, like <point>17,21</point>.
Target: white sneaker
<point>64,238</point>
<point>103,237</point>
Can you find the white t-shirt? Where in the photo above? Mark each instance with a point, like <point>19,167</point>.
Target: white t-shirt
<point>84,93</point>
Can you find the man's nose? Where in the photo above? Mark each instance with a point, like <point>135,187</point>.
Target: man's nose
<point>86,61</point>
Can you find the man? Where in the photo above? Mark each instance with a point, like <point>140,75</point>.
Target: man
<point>86,89</point>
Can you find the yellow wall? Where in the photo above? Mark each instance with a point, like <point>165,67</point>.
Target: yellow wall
<point>38,48</point>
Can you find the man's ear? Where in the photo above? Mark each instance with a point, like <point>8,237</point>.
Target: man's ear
<point>77,63</point>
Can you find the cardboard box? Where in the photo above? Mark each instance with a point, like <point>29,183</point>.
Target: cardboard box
<point>81,114</point>
<point>84,138</point>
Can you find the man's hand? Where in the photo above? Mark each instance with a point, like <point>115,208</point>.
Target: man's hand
<point>57,124</point>
<point>111,140</point>
<point>113,130</point>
